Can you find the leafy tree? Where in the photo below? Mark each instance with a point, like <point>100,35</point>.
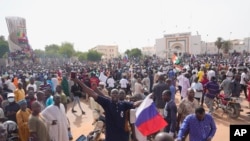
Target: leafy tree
<point>67,49</point>
<point>4,46</point>
<point>135,52</point>
<point>81,55</point>
<point>94,55</point>
<point>39,53</point>
<point>219,43</point>
<point>52,50</point>
<point>227,45</point>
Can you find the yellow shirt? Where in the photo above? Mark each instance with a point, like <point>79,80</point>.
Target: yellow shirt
<point>19,94</point>
<point>200,75</point>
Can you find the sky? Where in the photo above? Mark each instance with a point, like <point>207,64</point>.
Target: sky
<point>126,23</point>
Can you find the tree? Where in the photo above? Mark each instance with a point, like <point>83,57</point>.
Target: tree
<point>52,50</point>
<point>81,55</point>
<point>94,55</point>
<point>219,43</point>
<point>135,52</point>
<point>227,45</point>
<point>4,46</point>
<point>67,49</point>
<point>39,53</point>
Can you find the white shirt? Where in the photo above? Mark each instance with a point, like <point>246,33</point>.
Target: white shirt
<point>32,85</point>
<point>180,79</point>
<point>54,83</point>
<point>111,82</point>
<point>229,75</point>
<point>123,83</point>
<point>242,81</point>
<point>138,134</point>
<point>197,86</point>
<point>210,74</point>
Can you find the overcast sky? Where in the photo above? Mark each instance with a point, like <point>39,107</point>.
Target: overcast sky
<point>126,23</point>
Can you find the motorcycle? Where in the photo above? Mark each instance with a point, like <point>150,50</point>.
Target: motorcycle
<point>12,130</point>
<point>99,123</point>
<point>230,105</point>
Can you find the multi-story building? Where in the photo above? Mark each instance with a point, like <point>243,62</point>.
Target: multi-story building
<point>150,51</point>
<point>179,43</point>
<point>108,51</point>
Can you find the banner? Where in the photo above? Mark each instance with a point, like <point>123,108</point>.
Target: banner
<point>18,41</point>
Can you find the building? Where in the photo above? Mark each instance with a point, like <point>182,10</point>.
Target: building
<point>182,43</point>
<point>179,43</point>
<point>149,51</point>
<point>108,51</point>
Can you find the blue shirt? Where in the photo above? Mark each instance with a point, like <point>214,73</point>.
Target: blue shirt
<point>115,118</point>
<point>49,101</point>
<point>198,130</point>
<point>173,91</point>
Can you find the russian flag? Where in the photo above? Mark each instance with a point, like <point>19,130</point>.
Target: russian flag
<point>148,119</point>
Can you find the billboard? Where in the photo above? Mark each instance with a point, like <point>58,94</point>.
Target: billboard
<point>18,41</point>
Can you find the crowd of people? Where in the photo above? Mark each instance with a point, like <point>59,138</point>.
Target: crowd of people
<point>37,98</point>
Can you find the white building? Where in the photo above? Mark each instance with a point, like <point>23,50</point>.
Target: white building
<point>179,43</point>
<point>108,51</point>
<point>150,51</point>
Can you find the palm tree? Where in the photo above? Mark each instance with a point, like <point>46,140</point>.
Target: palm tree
<point>219,43</point>
<point>227,45</point>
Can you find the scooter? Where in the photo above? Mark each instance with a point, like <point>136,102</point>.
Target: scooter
<point>230,105</point>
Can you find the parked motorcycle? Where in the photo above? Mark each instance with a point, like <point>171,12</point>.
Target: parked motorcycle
<point>230,105</point>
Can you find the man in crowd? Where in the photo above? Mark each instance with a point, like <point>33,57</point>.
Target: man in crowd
<point>171,88</point>
<point>235,86</point>
<point>76,91</point>
<point>198,88</point>
<point>22,117</point>
<point>187,106</point>
<point>32,84</point>
<point>170,112</point>
<point>37,125</point>
<point>60,92</point>
<point>213,89</point>
<point>12,108</point>
<point>200,126</point>
<point>19,92</point>
<point>157,93</point>
<point>114,112</point>
<point>244,81</point>
<point>30,98</point>
<point>226,86</point>
<point>41,99</point>
<point>56,115</point>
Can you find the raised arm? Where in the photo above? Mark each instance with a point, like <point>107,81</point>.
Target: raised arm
<point>86,89</point>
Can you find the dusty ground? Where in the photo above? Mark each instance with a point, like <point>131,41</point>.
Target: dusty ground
<point>81,124</point>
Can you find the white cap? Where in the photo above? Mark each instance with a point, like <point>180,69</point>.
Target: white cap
<point>10,95</point>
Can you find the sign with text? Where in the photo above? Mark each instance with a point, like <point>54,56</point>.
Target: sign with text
<point>239,132</point>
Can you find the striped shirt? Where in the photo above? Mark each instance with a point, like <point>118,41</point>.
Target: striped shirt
<point>212,88</point>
